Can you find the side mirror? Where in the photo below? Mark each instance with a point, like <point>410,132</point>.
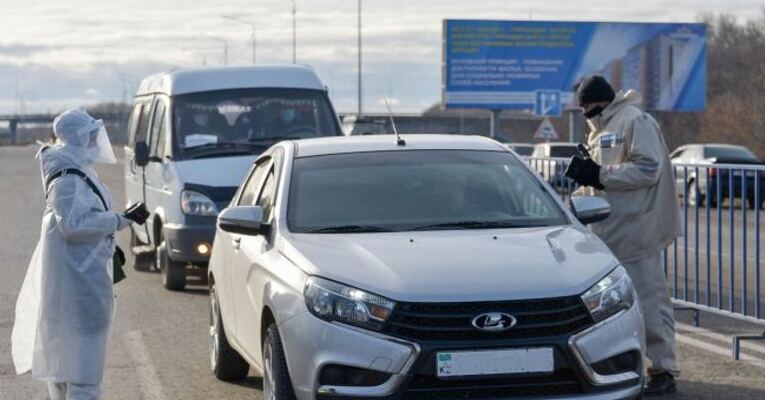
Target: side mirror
<point>141,154</point>
<point>245,220</point>
<point>589,209</point>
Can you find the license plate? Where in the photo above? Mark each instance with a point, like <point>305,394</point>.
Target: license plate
<point>494,362</point>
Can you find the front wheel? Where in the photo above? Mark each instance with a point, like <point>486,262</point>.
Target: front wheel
<point>695,197</point>
<point>173,273</point>
<point>141,262</point>
<point>226,363</point>
<point>276,377</point>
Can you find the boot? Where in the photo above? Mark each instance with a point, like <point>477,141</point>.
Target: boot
<point>660,384</point>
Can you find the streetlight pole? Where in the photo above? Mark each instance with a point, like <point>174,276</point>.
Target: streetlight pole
<point>359,66</point>
<point>251,25</point>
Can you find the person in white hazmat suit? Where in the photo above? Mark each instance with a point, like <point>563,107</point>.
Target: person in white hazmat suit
<point>628,163</point>
<point>66,302</point>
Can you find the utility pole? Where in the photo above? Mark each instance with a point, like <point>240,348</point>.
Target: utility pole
<point>294,31</point>
<point>359,66</point>
<point>252,26</point>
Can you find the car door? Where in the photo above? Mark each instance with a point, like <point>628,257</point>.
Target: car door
<point>253,259</point>
<point>134,174</point>
<point>233,291</point>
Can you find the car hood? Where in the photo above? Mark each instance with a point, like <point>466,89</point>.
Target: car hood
<point>456,266</point>
<point>215,171</point>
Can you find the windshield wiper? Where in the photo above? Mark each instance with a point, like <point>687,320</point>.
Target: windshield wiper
<point>472,225</point>
<point>222,148</point>
<point>348,229</point>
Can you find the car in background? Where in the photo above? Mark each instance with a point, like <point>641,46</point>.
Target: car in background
<point>193,134</point>
<point>437,267</point>
<point>522,149</point>
<point>353,126</point>
<point>550,160</point>
<point>695,173</point>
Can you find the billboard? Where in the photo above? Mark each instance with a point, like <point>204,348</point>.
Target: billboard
<point>534,65</point>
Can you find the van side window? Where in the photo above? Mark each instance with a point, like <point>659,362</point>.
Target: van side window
<point>158,135</point>
<point>253,183</point>
<point>267,194</point>
<point>143,125</point>
<point>135,117</point>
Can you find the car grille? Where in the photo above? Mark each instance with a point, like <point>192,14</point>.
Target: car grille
<point>562,382</point>
<point>537,318</point>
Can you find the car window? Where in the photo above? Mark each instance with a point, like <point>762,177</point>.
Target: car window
<point>414,189</point>
<point>133,123</point>
<point>729,152</point>
<point>677,154</point>
<point>157,146</point>
<point>523,150</point>
<point>563,151</point>
<point>267,194</point>
<point>250,188</point>
<point>143,125</point>
<point>223,122</point>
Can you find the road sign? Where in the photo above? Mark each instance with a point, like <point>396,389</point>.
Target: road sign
<point>546,131</point>
<point>498,65</point>
<point>548,103</point>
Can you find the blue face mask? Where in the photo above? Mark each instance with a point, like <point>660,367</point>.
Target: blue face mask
<point>288,115</point>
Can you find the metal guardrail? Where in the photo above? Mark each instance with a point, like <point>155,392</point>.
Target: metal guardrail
<point>716,266</point>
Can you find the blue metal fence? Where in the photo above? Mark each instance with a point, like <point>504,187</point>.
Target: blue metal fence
<point>716,265</point>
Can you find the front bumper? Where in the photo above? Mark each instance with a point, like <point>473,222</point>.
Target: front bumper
<point>311,343</point>
<point>183,240</point>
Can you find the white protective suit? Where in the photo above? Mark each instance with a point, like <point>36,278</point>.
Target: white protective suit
<point>66,302</point>
<point>645,215</point>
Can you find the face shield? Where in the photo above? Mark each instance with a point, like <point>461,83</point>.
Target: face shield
<point>98,145</point>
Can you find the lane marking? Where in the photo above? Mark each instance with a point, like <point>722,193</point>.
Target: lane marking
<point>147,375</point>
<point>715,349</point>
<point>721,338</point>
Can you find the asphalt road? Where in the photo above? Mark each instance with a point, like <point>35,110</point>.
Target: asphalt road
<point>158,348</point>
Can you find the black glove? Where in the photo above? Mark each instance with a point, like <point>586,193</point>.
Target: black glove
<point>584,171</point>
<point>137,213</point>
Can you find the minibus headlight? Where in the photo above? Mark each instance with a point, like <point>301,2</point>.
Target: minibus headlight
<point>611,295</point>
<point>332,301</point>
<point>195,203</point>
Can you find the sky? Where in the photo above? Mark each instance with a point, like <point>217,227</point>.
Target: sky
<point>68,53</point>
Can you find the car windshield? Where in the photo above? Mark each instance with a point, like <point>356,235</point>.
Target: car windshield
<point>417,190</point>
<point>249,120</point>
<point>563,151</point>
<point>729,153</point>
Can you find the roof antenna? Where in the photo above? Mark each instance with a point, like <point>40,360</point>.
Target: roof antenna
<point>399,140</point>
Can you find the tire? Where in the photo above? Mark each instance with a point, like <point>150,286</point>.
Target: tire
<point>276,378</point>
<point>752,204</point>
<point>141,262</point>
<point>695,197</point>
<point>173,273</point>
<point>225,362</point>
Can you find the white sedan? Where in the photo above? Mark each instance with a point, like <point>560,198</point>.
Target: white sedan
<point>427,268</point>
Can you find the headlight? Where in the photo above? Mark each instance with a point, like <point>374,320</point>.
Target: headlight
<point>195,203</point>
<point>332,301</point>
<point>611,295</point>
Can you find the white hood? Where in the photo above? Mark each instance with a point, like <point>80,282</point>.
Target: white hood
<point>452,266</point>
<point>217,171</point>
